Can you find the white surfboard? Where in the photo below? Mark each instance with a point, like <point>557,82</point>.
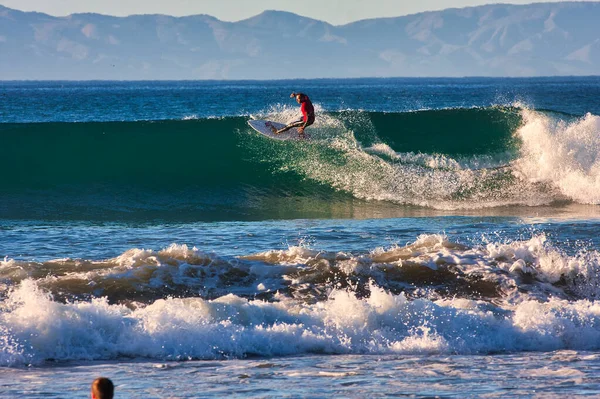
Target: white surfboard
<point>266,128</point>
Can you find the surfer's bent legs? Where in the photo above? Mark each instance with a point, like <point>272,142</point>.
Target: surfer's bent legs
<point>291,125</point>
<point>298,123</point>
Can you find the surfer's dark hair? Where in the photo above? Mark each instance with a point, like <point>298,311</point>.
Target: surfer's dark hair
<point>103,388</point>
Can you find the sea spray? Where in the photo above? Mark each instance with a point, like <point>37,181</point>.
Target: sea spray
<point>562,153</point>
<point>233,327</point>
<point>430,296</point>
<point>432,266</point>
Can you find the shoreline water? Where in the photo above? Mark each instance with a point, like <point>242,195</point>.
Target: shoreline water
<point>552,374</point>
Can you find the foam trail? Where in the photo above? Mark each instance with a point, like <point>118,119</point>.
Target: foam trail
<point>429,180</point>
<point>439,161</point>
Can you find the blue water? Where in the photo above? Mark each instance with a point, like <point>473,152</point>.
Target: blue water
<point>129,101</point>
<point>148,235</point>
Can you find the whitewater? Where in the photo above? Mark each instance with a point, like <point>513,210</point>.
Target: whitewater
<point>434,238</point>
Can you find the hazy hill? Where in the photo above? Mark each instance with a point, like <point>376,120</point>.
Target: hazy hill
<point>493,40</point>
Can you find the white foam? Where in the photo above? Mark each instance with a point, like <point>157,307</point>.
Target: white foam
<point>439,161</point>
<point>441,182</point>
<point>559,159</point>
<point>548,264</point>
<point>180,269</point>
<point>144,273</point>
<point>35,327</point>
<point>564,154</point>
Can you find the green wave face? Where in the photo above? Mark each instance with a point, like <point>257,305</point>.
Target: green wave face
<point>165,152</point>
<point>221,169</point>
<point>454,132</point>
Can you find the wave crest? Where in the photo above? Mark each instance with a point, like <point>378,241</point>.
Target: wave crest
<point>562,153</point>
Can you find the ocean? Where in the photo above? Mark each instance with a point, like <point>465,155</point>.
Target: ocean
<point>433,238</point>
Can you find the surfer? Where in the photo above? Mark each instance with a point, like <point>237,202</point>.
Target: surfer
<point>308,115</point>
<point>103,388</point>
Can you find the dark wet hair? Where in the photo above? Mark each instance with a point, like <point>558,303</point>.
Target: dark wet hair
<point>103,388</point>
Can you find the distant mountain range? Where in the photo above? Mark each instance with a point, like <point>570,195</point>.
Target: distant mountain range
<point>493,40</point>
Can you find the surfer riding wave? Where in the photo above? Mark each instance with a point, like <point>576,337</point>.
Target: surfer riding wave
<point>308,115</point>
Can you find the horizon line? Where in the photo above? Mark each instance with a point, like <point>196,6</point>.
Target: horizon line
<point>297,79</point>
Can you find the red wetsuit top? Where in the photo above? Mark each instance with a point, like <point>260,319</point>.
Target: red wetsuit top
<point>308,111</point>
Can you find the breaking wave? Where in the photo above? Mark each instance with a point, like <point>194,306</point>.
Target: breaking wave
<point>218,168</point>
<point>430,296</point>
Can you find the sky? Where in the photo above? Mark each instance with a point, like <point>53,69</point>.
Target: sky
<point>336,12</point>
